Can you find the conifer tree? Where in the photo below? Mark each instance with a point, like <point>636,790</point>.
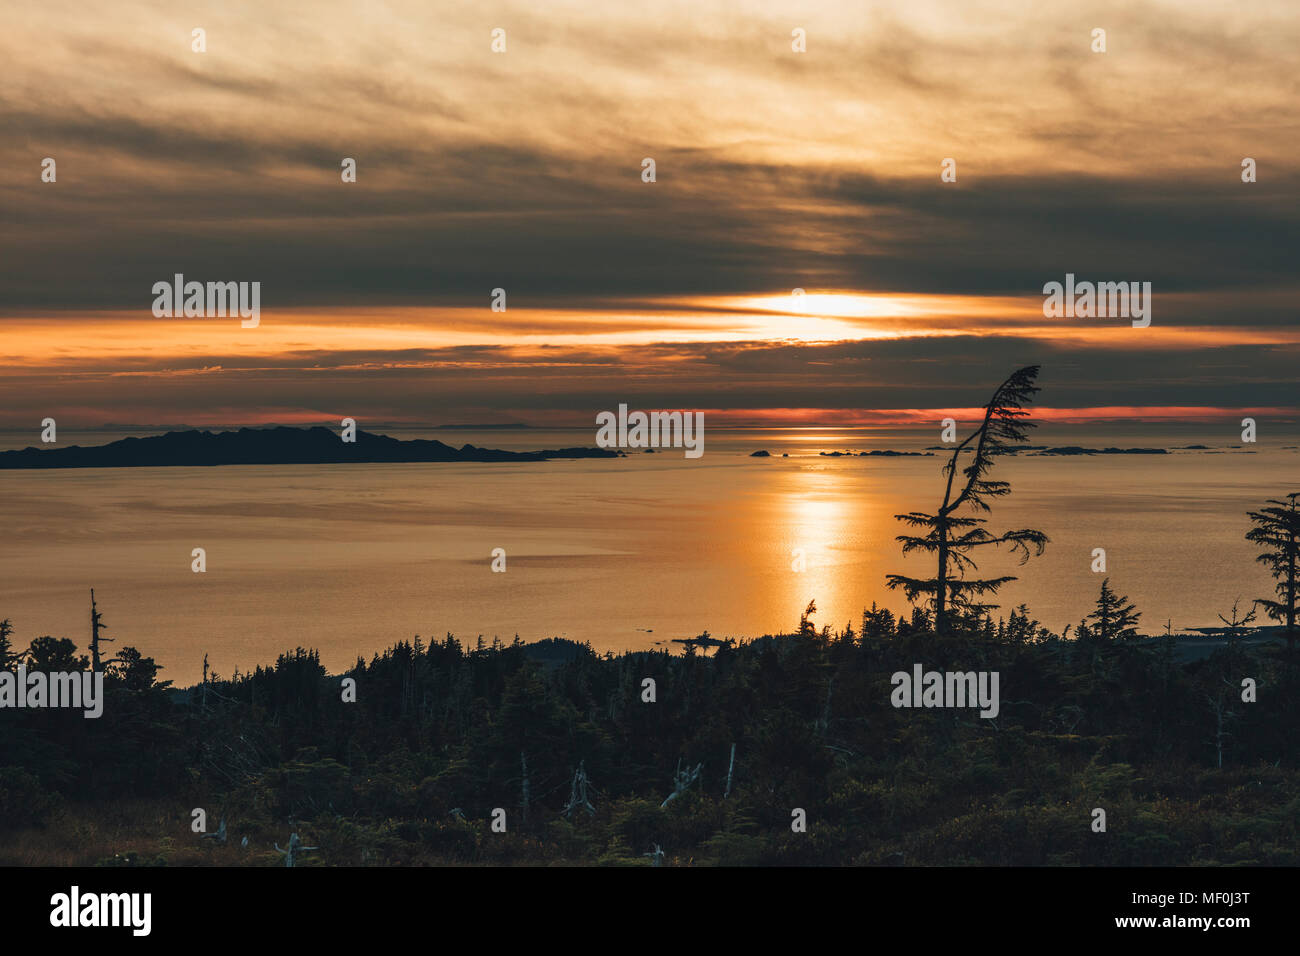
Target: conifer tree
<point>7,655</point>
<point>1114,618</point>
<point>1277,528</point>
<point>952,537</point>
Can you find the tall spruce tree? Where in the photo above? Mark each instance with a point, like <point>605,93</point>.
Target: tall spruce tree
<point>1277,528</point>
<point>953,537</point>
<point>1113,618</point>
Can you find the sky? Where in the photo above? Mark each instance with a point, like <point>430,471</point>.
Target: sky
<point>522,170</point>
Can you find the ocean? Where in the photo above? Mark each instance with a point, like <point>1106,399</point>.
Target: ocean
<point>627,554</point>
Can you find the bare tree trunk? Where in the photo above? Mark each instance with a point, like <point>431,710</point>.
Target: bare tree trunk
<point>1218,733</point>
<point>731,766</point>
<point>1221,715</point>
<point>295,846</point>
<point>578,792</point>
<point>523,761</point>
<point>96,625</point>
<point>1291,596</point>
<point>941,591</point>
<point>826,713</point>
<point>681,781</point>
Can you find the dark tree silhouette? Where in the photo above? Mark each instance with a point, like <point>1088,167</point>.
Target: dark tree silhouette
<point>54,655</point>
<point>1114,618</point>
<point>806,626</point>
<point>135,671</point>
<point>1236,624</point>
<point>7,655</point>
<point>410,772</point>
<point>96,625</point>
<point>951,537</point>
<point>1277,528</point>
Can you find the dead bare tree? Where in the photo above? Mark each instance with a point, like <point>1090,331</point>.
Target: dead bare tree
<point>96,625</point>
<point>1235,626</point>
<point>1222,715</point>
<point>523,762</point>
<point>220,835</point>
<point>295,846</point>
<point>578,793</point>
<point>730,767</point>
<point>681,781</point>
<point>824,724</point>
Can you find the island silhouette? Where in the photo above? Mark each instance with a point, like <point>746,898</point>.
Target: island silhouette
<point>281,445</point>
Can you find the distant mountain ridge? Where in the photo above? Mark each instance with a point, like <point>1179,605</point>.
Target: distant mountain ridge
<point>270,446</point>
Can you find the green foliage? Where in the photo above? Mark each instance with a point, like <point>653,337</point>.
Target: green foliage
<point>1120,724</point>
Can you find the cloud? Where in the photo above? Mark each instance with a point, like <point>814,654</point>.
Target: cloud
<point>775,170</point>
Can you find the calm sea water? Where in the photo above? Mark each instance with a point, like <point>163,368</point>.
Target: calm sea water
<point>623,553</point>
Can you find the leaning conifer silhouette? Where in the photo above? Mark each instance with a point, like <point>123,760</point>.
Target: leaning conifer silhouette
<point>951,537</point>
